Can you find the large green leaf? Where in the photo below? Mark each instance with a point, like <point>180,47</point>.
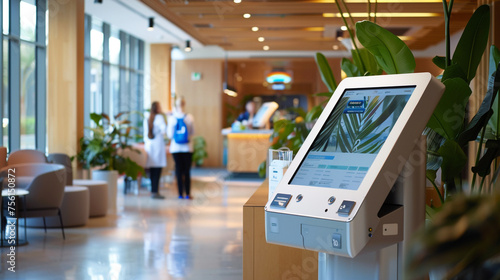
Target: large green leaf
<point>470,47</point>
<point>391,53</point>
<point>434,142</point>
<point>439,61</point>
<point>448,117</point>
<point>365,62</point>
<point>322,140</point>
<point>453,71</point>
<point>326,72</point>
<point>483,115</point>
<point>96,118</point>
<point>349,68</point>
<point>454,159</point>
<point>483,167</point>
<point>493,128</point>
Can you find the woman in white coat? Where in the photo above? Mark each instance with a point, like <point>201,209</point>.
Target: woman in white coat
<point>155,129</point>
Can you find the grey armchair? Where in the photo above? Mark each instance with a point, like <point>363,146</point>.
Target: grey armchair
<point>45,182</point>
<point>64,160</point>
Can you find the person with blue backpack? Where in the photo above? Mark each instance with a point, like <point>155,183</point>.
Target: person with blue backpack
<point>180,131</point>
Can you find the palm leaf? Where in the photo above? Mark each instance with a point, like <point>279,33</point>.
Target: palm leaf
<point>322,141</point>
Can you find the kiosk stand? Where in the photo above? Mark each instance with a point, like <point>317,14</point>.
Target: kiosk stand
<point>388,262</point>
<point>355,190</point>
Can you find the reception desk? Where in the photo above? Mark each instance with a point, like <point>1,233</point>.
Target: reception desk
<point>247,149</point>
<point>263,261</point>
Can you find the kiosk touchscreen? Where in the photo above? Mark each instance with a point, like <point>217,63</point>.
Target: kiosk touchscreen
<point>334,196</point>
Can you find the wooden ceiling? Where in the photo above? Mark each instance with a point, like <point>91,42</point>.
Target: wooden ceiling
<point>302,25</point>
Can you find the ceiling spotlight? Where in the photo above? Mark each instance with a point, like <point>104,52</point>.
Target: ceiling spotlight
<point>255,28</point>
<point>343,28</point>
<point>335,47</point>
<point>237,1</point>
<point>151,24</point>
<point>247,15</point>
<point>261,39</point>
<point>98,1</point>
<point>266,48</point>
<point>188,46</point>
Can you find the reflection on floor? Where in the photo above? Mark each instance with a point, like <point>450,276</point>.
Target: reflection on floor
<point>147,239</point>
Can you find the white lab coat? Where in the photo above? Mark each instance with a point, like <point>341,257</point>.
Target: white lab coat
<point>172,122</point>
<point>155,148</point>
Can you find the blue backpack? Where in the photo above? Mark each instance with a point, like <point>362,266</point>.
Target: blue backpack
<point>181,135</point>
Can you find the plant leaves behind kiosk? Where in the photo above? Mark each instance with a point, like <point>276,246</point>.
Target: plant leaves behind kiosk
<point>448,120</point>
<point>392,54</point>
<point>108,139</point>
<point>472,43</point>
<point>326,72</point>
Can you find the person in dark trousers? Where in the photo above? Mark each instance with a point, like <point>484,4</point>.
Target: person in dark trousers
<point>155,129</point>
<point>180,131</point>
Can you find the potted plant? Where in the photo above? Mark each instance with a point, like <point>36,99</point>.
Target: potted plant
<point>101,152</point>
<point>199,150</point>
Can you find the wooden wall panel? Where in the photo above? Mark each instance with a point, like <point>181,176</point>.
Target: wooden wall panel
<point>204,102</point>
<point>160,74</point>
<point>65,62</point>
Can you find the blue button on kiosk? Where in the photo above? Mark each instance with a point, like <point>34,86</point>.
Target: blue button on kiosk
<point>360,174</point>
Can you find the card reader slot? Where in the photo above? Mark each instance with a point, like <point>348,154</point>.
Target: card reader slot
<point>387,209</point>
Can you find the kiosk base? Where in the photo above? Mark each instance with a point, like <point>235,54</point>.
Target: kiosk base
<point>380,264</point>
<point>387,263</point>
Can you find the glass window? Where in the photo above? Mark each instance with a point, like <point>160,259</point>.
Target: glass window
<point>96,44</point>
<point>5,91</point>
<point>114,47</point>
<point>114,84</point>
<point>28,20</point>
<point>5,22</point>
<point>20,75</point>
<point>28,96</point>
<point>120,74</point>
<point>96,87</point>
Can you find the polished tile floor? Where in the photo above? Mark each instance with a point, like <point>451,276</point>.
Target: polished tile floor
<point>146,238</point>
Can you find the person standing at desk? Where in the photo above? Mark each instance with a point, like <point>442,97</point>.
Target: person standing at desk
<point>180,131</point>
<point>154,131</point>
<point>248,114</point>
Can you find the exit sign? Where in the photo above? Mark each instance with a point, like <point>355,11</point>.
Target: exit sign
<point>195,76</point>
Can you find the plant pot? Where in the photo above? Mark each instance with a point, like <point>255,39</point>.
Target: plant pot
<point>111,177</point>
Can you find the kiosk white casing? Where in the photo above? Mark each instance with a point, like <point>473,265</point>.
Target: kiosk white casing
<point>310,219</point>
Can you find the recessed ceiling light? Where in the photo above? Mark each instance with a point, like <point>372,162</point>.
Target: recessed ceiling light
<point>247,15</point>
<point>266,48</point>
<point>237,1</point>
<point>343,28</point>
<point>261,39</point>
<point>255,28</point>
<point>335,47</point>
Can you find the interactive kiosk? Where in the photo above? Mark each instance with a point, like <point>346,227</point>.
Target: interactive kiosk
<point>341,195</point>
